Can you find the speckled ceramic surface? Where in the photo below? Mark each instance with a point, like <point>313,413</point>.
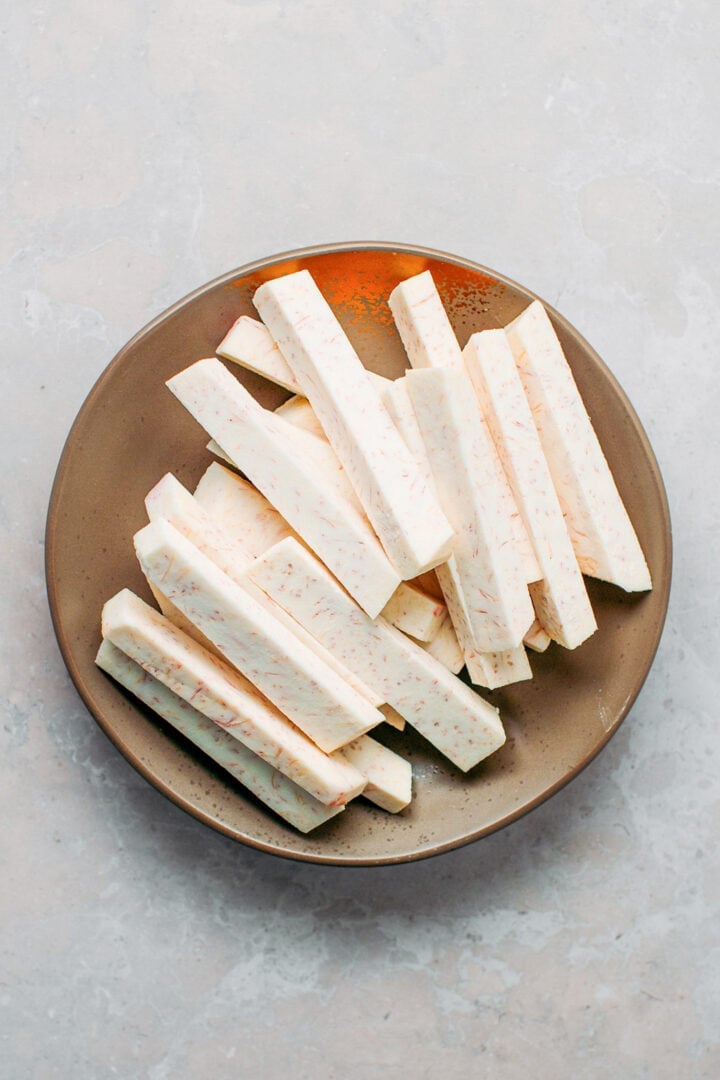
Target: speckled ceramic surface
<point>131,430</point>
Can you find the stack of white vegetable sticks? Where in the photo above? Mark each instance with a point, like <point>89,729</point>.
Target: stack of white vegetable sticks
<point>383,536</point>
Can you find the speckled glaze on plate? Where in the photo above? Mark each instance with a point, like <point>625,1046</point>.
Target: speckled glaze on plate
<point>131,430</point>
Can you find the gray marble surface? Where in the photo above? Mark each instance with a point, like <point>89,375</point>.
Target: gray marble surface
<point>572,146</point>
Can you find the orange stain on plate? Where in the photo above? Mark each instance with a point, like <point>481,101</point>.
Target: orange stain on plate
<point>359,282</point>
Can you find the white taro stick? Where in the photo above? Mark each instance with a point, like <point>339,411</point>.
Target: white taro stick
<point>459,448</point>
<point>423,324</point>
<point>560,598</point>
<point>457,646</point>
<point>601,531</point>
<point>388,775</point>
<point>488,669</point>
<point>249,344</point>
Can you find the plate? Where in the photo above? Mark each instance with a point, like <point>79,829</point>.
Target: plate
<point>131,430</point>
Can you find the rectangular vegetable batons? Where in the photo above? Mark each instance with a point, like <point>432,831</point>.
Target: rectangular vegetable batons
<point>246,515</point>
<point>223,695</point>
<point>309,443</point>
<point>457,647</point>
<point>279,793</point>
<point>430,342</point>
<point>488,669</point>
<point>602,534</point>
<point>177,618</point>
<point>283,669</point>
<point>452,717</point>
<point>560,597</point>
<point>249,344</point>
<point>330,526</point>
<point>388,775</point>
<point>173,502</point>
<point>403,511</point>
<point>409,608</point>
<point>251,519</point>
<point>460,452</point>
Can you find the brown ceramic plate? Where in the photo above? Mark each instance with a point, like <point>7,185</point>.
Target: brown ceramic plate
<point>131,430</point>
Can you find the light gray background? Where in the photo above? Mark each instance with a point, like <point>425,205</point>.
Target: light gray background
<point>150,147</point>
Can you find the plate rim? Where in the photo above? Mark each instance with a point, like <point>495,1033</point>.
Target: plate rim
<point>186,804</point>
